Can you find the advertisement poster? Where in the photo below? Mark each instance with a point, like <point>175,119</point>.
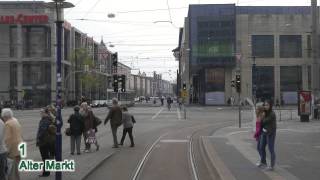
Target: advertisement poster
<point>304,103</point>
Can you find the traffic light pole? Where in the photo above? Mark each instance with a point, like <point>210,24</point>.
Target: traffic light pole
<point>59,121</point>
<point>239,107</point>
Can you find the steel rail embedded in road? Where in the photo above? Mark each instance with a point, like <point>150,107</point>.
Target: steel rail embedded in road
<point>192,159</point>
<point>191,148</point>
<point>144,159</point>
<point>191,152</point>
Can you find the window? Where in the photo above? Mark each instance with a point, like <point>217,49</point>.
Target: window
<point>215,48</point>
<point>309,48</point>
<point>66,44</point>
<point>36,74</point>
<point>36,41</point>
<point>263,46</point>
<point>215,79</point>
<point>13,74</point>
<point>263,81</point>
<point>290,46</point>
<point>290,78</point>
<point>13,41</point>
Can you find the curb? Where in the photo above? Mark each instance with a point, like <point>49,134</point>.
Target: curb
<point>94,167</point>
<point>214,160</point>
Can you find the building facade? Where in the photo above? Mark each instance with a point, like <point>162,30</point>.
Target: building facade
<point>270,47</point>
<point>28,57</point>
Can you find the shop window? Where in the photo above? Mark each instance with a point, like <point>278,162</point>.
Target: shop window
<point>215,80</point>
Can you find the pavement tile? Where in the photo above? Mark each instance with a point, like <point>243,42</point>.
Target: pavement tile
<point>237,149</point>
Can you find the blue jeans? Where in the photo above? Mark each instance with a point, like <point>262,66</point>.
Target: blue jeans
<point>259,145</point>
<point>267,139</point>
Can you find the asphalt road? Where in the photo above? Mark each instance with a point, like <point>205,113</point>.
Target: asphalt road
<point>171,141</point>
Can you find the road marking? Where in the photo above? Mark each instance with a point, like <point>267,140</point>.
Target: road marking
<point>237,132</point>
<point>178,112</point>
<point>157,114</point>
<point>317,147</point>
<point>174,141</point>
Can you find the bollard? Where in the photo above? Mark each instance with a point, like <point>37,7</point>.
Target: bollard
<point>185,112</point>
<point>291,114</point>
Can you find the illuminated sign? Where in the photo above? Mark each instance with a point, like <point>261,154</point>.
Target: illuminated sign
<point>24,19</point>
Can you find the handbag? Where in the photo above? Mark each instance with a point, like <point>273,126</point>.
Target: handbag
<point>68,131</point>
<point>91,138</point>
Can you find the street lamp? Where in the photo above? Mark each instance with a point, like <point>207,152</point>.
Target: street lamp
<point>59,5</point>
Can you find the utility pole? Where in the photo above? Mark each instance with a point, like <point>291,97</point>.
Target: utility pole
<point>315,46</point>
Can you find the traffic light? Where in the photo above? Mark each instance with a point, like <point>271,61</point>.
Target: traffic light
<point>114,58</point>
<point>123,83</point>
<point>232,83</point>
<point>184,86</point>
<point>238,83</point>
<point>115,83</point>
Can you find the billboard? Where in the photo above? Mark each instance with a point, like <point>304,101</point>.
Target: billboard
<point>304,103</point>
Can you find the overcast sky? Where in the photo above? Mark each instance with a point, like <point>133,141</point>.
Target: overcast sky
<point>141,43</point>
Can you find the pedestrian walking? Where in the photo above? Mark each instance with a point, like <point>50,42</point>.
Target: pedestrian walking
<point>162,100</point>
<point>92,134</point>
<point>50,110</point>
<point>44,138</point>
<point>76,129</point>
<point>3,152</point>
<point>115,117</point>
<point>169,101</point>
<point>12,140</point>
<point>88,125</point>
<point>128,121</point>
<point>257,135</point>
<point>268,136</point>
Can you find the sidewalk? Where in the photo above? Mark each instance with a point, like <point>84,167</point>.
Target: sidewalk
<point>84,163</point>
<point>232,152</point>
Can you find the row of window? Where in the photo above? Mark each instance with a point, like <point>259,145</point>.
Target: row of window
<point>262,79</point>
<point>290,46</point>
<point>36,42</point>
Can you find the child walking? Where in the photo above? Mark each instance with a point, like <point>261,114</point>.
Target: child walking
<point>260,115</point>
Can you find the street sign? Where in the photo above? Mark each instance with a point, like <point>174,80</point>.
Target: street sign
<point>184,93</point>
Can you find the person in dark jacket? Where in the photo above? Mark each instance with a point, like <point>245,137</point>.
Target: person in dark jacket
<point>76,129</point>
<point>268,136</point>
<point>115,116</point>
<point>128,121</point>
<point>42,138</point>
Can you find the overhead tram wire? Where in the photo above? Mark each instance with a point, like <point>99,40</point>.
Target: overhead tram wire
<point>132,11</point>
<point>171,22</point>
<point>96,3</point>
<point>76,4</point>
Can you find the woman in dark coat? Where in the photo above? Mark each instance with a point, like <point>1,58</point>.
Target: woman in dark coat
<point>43,138</point>
<point>268,136</point>
<point>76,130</point>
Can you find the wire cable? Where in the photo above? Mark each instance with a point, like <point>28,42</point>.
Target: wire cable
<point>97,2</point>
<point>170,16</point>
